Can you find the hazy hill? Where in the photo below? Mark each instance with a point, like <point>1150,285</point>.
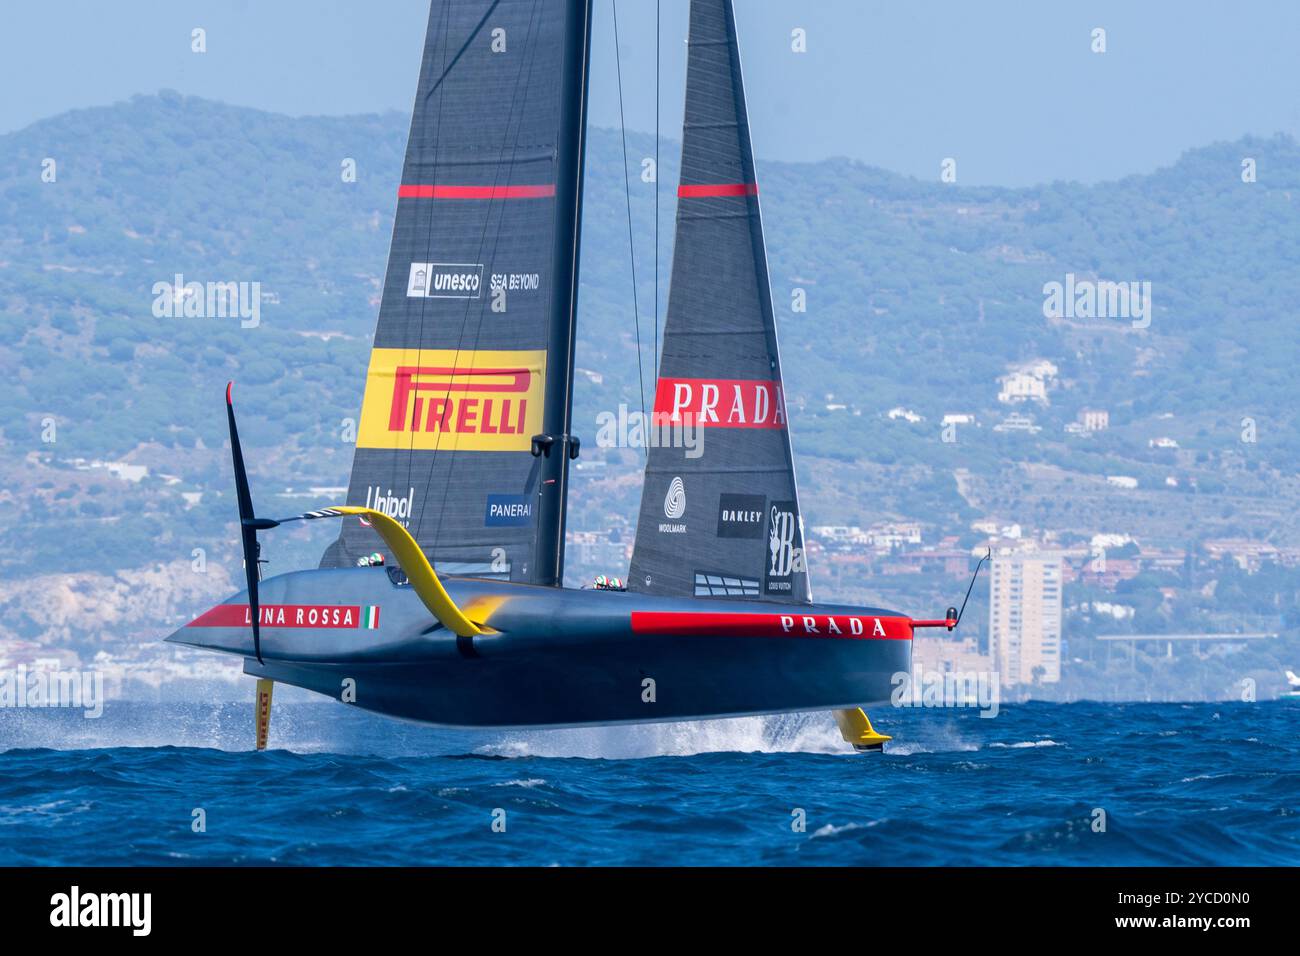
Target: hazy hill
<point>918,294</point>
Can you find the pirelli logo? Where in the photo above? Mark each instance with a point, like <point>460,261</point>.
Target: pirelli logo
<point>449,400</point>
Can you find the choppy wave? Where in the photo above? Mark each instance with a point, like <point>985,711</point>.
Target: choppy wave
<point>1040,784</point>
<point>788,733</point>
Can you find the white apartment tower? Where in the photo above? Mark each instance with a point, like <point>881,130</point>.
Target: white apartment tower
<point>1025,618</point>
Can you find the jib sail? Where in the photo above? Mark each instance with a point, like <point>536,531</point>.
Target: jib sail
<point>464,422</point>
<point>719,510</point>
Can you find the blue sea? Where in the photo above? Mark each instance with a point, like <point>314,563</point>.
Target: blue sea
<point>1180,784</point>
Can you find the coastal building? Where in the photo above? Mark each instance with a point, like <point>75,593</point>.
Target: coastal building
<point>884,537</point>
<point>1025,617</point>
<point>1094,419</point>
<point>947,654</point>
<point>601,549</point>
<point>1016,422</point>
<point>1248,555</point>
<point>1027,382</point>
<point>951,561</point>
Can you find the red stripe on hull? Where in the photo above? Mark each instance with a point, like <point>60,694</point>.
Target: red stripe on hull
<point>442,191</point>
<point>282,615</point>
<point>711,624</point>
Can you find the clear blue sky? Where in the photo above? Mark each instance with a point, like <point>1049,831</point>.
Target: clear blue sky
<point>1011,89</point>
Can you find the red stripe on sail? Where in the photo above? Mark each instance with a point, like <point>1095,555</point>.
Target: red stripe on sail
<point>717,189</point>
<point>710,624</point>
<point>719,403</point>
<point>443,191</point>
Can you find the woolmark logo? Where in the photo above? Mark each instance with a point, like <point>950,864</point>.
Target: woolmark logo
<point>444,280</point>
<point>675,500</point>
<point>674,507</point>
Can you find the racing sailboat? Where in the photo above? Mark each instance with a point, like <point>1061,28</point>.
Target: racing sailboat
<point>459,479</point>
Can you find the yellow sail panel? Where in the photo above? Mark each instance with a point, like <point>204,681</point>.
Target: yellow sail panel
<point>453,400</point>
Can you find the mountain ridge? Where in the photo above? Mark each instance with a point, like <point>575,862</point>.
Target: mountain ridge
<point>918,295</point>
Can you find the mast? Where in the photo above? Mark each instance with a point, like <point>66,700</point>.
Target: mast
<point>556,446</point>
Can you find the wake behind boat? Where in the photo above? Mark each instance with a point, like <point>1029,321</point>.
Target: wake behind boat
<point>460,476</point>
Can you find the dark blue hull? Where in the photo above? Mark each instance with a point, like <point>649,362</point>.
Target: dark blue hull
<point>558,657</point>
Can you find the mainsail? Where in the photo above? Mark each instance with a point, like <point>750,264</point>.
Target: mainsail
<point>720,519</point>
<point>463,435</point>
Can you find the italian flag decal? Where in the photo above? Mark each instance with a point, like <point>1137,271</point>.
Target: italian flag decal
<point>370,616</point>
